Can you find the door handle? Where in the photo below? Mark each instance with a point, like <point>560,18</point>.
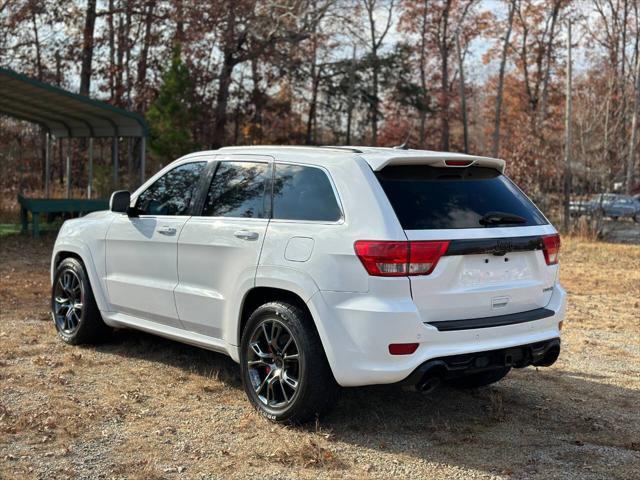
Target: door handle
<point>246,235</point>
<point>167,230</point>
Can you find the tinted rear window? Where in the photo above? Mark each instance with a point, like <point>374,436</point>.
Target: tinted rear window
<point>303,193</point>
<point>425,197</point>
<point>238,190</point>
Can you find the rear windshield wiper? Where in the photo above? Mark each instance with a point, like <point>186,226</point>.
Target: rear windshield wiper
<point>501,218</point>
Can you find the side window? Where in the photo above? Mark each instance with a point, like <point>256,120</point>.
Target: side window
<point>238,190</point>
<point>172,193</point>
<point>303,193</point>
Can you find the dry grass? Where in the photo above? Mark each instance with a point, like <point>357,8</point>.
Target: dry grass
<point>144,407</point>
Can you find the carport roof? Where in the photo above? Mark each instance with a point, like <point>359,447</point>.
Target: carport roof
<point>63,113</point>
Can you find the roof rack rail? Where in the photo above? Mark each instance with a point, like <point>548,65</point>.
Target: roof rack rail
<point>346,149</point>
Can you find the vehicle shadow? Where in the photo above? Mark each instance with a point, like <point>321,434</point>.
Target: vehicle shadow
<point>534,422</point>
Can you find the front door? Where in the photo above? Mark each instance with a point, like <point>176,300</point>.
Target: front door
<point>142,251</point>
<point>219,250</point>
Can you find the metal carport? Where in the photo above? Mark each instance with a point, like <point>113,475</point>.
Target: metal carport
<point>63,114</point>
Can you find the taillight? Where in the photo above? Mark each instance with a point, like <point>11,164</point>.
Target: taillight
<point>424,256</point>
<point>396,259</point>
<point>551,248</point>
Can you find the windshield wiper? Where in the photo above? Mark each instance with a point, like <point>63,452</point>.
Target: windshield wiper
<point>501,218</point>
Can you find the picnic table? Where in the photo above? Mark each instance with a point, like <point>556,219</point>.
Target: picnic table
<point>73,206</point>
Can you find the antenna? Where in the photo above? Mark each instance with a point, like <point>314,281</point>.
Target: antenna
<point>404,145</point>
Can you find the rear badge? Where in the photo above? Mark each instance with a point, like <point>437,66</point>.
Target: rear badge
<point>548,289</point>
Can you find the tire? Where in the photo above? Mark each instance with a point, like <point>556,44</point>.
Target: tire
<point>270,369</point>
<point>81,324</point>
<point>480,379</point>
<point>636,218</point>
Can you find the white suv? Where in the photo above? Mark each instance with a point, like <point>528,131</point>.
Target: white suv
<point>320,267</point>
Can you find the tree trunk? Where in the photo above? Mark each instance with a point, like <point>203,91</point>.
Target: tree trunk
<point>112,51</point>
<point>444,79</point>
<point>126,45</point>
<point>36,38</point>
<point>314,89</point>
<point>178,39</point>
<point>87,48</point>
<point>495,150</point>
<point>463,95</point>
<point>119,89</point>
<point>376,43</point>
<point>258,101</point>
<point>631,160</point>
<point>548,55</point>
<point>141,76</point>
<point>222,99</point>
<point>423,77</point>
<point>567,138</point>
<point>313,106</point>
<point>350,102</point>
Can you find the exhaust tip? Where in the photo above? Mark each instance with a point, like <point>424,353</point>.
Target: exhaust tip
<point>550,357</point>
<point>431,378</point>
<point>428,384</point>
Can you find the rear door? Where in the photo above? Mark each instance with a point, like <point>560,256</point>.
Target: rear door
<point>492,266</point>
<point>219,248</point>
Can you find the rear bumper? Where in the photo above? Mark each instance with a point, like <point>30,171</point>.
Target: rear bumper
<point>356,330</point>
<point>541,354</point>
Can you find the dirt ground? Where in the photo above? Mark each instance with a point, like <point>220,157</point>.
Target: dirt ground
<point>143,407</point>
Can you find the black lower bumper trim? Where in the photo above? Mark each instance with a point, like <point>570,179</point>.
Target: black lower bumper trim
<point>540,354</point>
<point>487,322</point>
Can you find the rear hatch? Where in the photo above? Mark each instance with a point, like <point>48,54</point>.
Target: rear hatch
<point>496,261</point>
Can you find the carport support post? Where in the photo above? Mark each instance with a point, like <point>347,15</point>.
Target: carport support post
<point>47,164</point>
<point>68,167</point>
<point>90,184</point>
<point>143,146</point>
<point>114,156</point>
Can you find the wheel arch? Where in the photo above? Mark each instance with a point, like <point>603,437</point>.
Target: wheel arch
<point>260,295</point>
<point>62,255</point>
<point>82,254</point>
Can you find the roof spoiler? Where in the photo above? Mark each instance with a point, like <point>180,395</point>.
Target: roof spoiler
<point>445,160</point>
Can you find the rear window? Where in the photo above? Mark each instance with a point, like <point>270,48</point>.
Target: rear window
<point>238,190</point>
<point>303,193</point>
<point>425,197</point>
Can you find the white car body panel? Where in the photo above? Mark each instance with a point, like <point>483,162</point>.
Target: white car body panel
<point>191,286</point>
<point>208,247</point>
<point>141,266</point>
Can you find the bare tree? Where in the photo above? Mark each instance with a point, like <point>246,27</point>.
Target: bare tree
<point>250,30</point>
<point>350,94</point>
<point>495,150</point>
<point>631,160</point>
<point>87,47</point>
<point>375,43</point>
<point>141,76</point>
<point>463,95</point>
<point>463,92</point>
<point>36,41</point>
<point>444,47</point>
<point>567,128</point>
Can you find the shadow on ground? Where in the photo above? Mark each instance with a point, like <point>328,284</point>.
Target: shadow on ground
<point>530,422</point>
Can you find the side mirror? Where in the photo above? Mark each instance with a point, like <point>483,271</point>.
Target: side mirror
<point>120,201</point>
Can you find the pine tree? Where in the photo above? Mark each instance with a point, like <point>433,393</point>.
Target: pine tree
<point>173,114</point>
